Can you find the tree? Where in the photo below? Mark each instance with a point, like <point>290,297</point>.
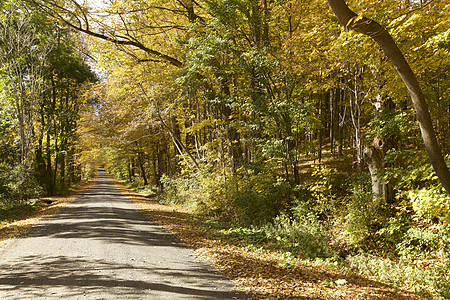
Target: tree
<point>22,58</point>
<point>42,75</point>
<point>380,35</point>
<point>121,30</point>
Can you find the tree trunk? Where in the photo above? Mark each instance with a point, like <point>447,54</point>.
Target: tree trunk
<point>332,113</point>
<point>233,136</point>
<point>62,170</point>
<point>371,28</point>
<point>71,166</point>
<point>319,132</point>
<point>141,167</point>
<point>374,161</point>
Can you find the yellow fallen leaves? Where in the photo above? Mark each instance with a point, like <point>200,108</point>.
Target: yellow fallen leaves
<point>13,229</point>
<point>259,271</point>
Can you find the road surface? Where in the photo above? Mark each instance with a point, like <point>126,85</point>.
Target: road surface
<point>102,247</point>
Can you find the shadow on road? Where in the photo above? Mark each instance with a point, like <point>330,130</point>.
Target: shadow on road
<point>102,247</point>
<point>103,213</point>
<point>75,277</point>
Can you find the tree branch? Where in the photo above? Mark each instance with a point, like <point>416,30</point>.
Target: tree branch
<point>371,28</point>
<point>57,11</point>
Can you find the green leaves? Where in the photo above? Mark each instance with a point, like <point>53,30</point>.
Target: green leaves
<point>429,204</point>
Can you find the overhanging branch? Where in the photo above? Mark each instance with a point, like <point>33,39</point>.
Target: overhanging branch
<point>80,22</point>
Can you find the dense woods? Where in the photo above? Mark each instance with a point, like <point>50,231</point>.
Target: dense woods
<point>42,75</point>
<point>267,116</point>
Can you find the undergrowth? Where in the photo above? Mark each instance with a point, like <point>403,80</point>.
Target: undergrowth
<point>301,239</point>
<point>427,277</point>
<point>15,211</point>
<point>331,218</point>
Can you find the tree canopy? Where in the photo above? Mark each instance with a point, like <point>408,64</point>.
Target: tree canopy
<point>248,111</point>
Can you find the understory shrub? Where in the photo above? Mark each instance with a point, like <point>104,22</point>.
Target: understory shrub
<point>13,211</point>
<point>250,235</point>
<point>204,192</point>
<point>423,243</point>
<point>249,200</point>
<point>169,188</point>
<point>17,184</point>
<point>304,236</point>
<point>369,227</point>
<point>23,184</point>
<point>135,182</point>
<point>359,218</point>
<point>4,191</point>
<point>430,277</point>
<point>259,200</point>
<point>300,235</point>
<point>431,203</point>
<point>328,190</point>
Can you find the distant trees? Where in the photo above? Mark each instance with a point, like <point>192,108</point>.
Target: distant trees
<point>22,60</point>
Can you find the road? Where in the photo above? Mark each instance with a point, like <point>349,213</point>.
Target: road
<point>102,247</point>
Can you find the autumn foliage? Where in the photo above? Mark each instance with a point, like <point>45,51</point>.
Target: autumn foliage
<point>269,118</point>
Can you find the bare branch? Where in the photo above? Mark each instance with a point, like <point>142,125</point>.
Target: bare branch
<point>82,25</point>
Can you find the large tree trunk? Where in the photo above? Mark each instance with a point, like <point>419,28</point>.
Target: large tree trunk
<point>371,28</point>
<point>374,161</point>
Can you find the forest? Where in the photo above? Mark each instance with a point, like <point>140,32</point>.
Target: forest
<point>321,128</point>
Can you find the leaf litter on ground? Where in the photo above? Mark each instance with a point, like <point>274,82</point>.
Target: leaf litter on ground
<point>263,273</point>
<point>47,206</point>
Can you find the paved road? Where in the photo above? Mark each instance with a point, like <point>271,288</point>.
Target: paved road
<point>101,247</point>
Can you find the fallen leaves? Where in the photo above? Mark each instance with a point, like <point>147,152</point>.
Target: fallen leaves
<point>9,230</point>
<point>265,274</point>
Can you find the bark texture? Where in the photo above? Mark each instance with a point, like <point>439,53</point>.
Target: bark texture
<point>371,28</point>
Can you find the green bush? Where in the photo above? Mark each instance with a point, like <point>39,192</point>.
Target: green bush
<point>373,228</point>
<point>13,211</point>
<point>135,183</point>
<point>251,235</point>
<point>259,198</point>
<point>303,236</point>
<point>203,191</point>
<point>425,277</point>
<point>422,242</point>
<point>254,208</point>
<point>359,218</point>
<point>328,189</point>
<point>392,231</point>
<point>170,191</point>
<point>23,184</point>
<point>431,203</point>
<point>4,178</point>
<point>251,200</point>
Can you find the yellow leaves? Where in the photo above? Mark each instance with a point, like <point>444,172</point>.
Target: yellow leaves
<point>396,22</point>
<point>431,203</point>
<point>353,21</point>
<point>197,126</point>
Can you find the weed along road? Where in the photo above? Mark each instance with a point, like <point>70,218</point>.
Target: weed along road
<point>102,247</point>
